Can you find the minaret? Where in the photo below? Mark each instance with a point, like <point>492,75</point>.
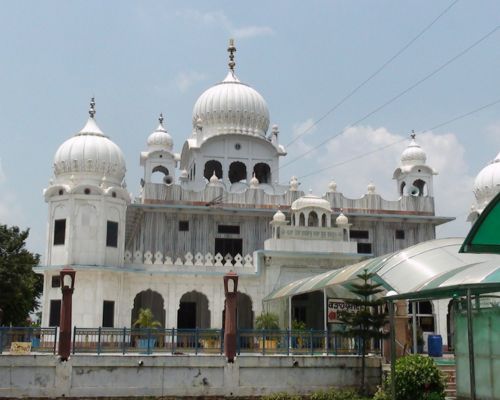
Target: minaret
<point>414,176</point>
<point>158,160</point>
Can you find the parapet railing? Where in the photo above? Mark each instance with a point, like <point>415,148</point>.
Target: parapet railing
<point>187,341</point>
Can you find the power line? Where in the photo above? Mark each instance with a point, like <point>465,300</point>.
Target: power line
<point>440,125</point>
<point>373,75</point>
<point>394,98</point>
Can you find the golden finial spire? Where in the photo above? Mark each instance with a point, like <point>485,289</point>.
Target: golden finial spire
<point>231,50</point>
<point>413,135</point>
<point>160,118</point>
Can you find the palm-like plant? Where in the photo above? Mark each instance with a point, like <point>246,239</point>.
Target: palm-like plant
<point>267,321</point>
<point>146,319</point>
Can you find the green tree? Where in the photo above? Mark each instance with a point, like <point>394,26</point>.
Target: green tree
<point>19,285</point>
<point>267,320</point>
<point>366,318</point>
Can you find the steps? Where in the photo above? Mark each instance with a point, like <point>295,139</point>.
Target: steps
<point>449,372</point>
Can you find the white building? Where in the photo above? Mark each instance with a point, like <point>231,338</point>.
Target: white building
<point>213,208</point>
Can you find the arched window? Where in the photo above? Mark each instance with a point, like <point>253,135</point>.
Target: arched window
<point>210,167</point>
<point>323,220</point>
<point>302,220</point>
<point>193,311</point>
<point>262,172</point>
<point>402,188</point>
<point>420,184</point>
<point>292,223</point>
<point>312,220</point>
<point>237,172</point>
<point>245,311</point>
<point>152,300</point>
<point>159,174</point>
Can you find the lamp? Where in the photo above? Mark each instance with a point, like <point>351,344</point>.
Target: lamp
<point>230,323</point>
<point>67,276</point>
<point>230,283</point>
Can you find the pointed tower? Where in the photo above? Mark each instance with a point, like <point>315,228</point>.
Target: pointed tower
<point>414,176</point>
<point>87,200</point>
<point>158,160</point>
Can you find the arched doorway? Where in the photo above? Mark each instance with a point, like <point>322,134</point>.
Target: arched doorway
<point>152,300</point>
<point>262,172</point>
<point>237,172</point>
<point>160,174</point>
<point>245,311</point>
<point>193,311</point>
<point>312,220</point>
<point>309,309</point>
<point>211,167</point>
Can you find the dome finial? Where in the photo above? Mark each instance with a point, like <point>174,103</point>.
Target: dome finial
<point>413,135</point>
<point>92,108</point>
<point>231,50</point>
<point>160,119</point>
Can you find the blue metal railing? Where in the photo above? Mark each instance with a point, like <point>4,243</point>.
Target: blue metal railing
<point>185,341</point>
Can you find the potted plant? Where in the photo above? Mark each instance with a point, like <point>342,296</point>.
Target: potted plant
<point>297,337</point>
<point>146,320</point>
<point>267,321</point>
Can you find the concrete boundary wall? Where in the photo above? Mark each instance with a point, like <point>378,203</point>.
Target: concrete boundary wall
<point>44,376</point>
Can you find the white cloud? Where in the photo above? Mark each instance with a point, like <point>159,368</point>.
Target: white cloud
<point>300,145</point>
<point>452,187</point>
<point>185,79</point>
<point>10,212</point>
<point>493,132</point>
<point>220,19</point>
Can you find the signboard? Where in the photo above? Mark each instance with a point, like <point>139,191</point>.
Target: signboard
<point>20,347</point>
<point>337,305</point>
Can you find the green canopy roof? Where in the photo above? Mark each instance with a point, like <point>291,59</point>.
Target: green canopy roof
<point>484,237</point>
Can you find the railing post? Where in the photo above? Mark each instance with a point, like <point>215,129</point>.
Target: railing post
<point>196,341</point>
<point>74,338</point>
<point>149,339</point>
<point>99,341</point>
<point>263,342</point>
<point>124,338</point>
<point>327,341</point>
<point>311,341</point>
<point>1,340</point>
<point>238,342</point>
<point>173,340</point>
<point>221,341</point>
<point>288,341</point>
<point>55,339</point>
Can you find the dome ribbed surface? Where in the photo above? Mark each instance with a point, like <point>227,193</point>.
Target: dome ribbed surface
<point>487,183</point>
<point>89,155</point>
<point>413,154</point>
<point>231,107</point>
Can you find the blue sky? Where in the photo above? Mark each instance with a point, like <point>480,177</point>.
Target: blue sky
<point>142,58</point>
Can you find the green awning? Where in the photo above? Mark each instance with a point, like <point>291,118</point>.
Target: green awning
<point>484,237</point>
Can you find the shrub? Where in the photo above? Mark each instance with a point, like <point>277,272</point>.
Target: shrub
<point>281,396</point>
<point>417,378</point>
<point>267,321</point>
<point>336,394</point>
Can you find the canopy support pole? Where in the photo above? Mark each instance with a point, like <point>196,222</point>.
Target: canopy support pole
<point>290,312</point>
<point>414,326</point>
<point>325,318</point>
<point>393,349</point>
<point>470,339</point>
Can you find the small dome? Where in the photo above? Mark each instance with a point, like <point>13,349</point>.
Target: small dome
<point>487,183</point>
<point>254,182</point>
<point>213,179</point>
<point>332,187</point>
<point>311,201</point>
<point>370,189</point>
<point>160,138</point>
<point>294,184</point>
<point>341,220</point>
<point>231,107</point>
<point>413,154</point>
<point>89,156</point>
<point>279,216</point>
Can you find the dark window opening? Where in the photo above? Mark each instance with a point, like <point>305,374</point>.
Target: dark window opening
<point>112,234</point>
<point>61,192</point>
<point>211,167</point>
<point>56,281</point>
<point>400,234</point>
<point>359,234</point>
<point>262,172</point>
<point>420,185</point>
<point>402,189</point>
<point>59,231</point>
<point>108,314</point>
<point>86,191</point>
<point>232,229</point>
<point>228,246</point>
<point>183,226</point>
<point>364,248</point>
<point>312,219</point>
<point>237,172</point>
<point>55,313</point>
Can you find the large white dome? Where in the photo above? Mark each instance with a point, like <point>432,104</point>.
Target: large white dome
<point>487,183</point>
<point>413,154</point>
<point>89,156</point>
<point>160,139</point>
<point>231,107</point>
